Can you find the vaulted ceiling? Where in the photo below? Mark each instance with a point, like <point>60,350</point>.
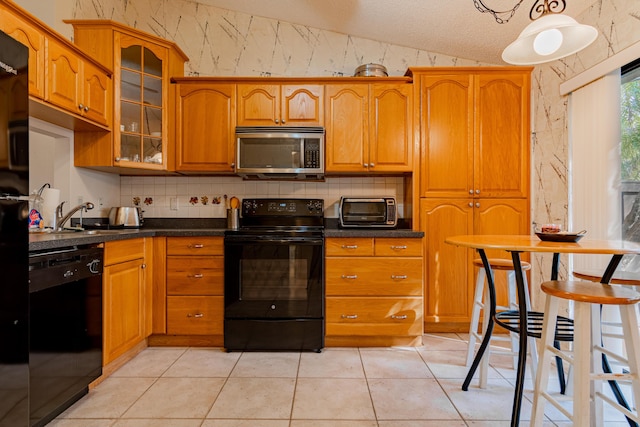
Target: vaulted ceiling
<point>452,27</point>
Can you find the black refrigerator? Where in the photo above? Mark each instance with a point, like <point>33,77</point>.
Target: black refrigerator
<point>14,237</point>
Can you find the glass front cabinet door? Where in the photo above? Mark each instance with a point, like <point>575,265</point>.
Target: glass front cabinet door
<point>142,104</point>
<point>144,99</point>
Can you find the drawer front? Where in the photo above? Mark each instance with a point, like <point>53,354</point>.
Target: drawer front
<point>195,275</point>
<point>398,247</point>
<point>357,246</point>
<point>210,245</point>
<point>193,315</point>
<point>118,251</point>
<point>373,276</point>
<point>370,316</point>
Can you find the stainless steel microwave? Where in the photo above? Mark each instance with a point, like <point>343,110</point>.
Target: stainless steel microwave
<point>368,212</point>
<point>280,152</point>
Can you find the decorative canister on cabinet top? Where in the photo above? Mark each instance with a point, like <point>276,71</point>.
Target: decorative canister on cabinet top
<point>371,70</point>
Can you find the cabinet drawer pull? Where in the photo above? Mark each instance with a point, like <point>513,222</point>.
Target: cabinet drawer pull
<point>399,316</point>
<point>350,277</point>
<point>196,246</point>
<point>399,247</point>
<point>349,246</point>
<point>349,316</point>
<point>398,277</point>
<point>197,315</point>
<point>196,276</point>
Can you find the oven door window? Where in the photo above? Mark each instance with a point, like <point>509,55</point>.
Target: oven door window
<point>272,280</point>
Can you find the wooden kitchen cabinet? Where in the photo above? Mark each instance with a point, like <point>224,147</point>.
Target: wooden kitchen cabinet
<point>66,86</point>
<point>373,291</point>
<point>195,289</point>
<point>124,297</point>
<point>449,273</point>
<point>474,132</point>
<point>473,176</point>
<point>205,126</point>
<point>280,104</point>
<point>369,128</point>
<point>29,35</point>
<point>143,107</point>
<point>77,85</point>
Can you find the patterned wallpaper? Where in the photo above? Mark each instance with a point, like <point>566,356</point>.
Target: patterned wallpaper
<point>225,43</point>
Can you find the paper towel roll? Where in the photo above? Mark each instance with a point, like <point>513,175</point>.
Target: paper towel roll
<point>50,200</point>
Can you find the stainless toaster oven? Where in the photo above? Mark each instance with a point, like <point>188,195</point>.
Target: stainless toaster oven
<point>370,212</point>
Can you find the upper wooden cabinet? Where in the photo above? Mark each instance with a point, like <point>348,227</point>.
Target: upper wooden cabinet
<point>32,37</point>
<point>142,136</point>
<point>474,129</point>
<point>66,86</point>
<point>205,127</point>
<point>77,85</point>
<point>280,105</point>
<point>369,128</point>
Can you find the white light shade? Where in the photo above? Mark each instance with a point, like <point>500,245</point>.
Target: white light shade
<point>575,37</point>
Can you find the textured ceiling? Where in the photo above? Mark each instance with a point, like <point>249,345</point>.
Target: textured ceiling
<point>452,27</point>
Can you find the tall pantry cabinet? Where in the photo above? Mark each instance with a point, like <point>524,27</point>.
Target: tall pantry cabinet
<point>473,176</point>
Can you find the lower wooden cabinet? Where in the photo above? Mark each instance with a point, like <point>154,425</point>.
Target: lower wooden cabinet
<point>195,315</point>
<point>374,291</point>
<point>449,272</point>
<point>195,290</point>
<point>124,297</point>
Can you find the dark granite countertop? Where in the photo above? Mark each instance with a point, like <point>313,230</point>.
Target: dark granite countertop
<point>186,228</point>
<point>372,232</point>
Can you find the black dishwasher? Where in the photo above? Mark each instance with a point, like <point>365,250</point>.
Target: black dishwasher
<point>65,328</point>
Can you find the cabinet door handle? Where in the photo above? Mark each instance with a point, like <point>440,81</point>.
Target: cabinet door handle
<point>366,165</point>
<point>470,204</point>
<point>233,165</point>
<point>197,315</point>
<point>284,121</point>
<point>196,276</point>
<point>349,246</point>
<point>399,316</point>
<point>470,191</point>
<point>86,108</point>
<point>478,205</point>
<point>81,107</point>
<point>349,316</point>
<point>398,277</point>
<point>196,246</point>
<point>143,266</point>
<point>117,159</point>
<point>477,191</point>
<point>277,121</point>
<point>351,277</point>
<point>399,247</point>
<point>373,165</point>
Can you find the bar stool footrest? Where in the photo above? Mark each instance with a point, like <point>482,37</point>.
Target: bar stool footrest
<point>510,320</point>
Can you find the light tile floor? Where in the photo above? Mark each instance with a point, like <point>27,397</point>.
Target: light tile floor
<point>340,387</point>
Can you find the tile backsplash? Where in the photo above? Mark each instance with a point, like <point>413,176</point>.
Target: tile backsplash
<point>203,197</point>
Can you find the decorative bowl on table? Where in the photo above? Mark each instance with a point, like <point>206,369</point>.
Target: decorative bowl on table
<point>561,236</point>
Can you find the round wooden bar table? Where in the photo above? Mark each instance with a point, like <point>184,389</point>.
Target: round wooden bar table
<point>517,244</point>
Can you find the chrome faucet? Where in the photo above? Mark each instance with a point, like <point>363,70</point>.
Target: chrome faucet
<point>60,220</point>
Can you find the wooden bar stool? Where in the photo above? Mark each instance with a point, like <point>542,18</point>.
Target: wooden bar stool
<point>587,374</point>
<point>482,304</point>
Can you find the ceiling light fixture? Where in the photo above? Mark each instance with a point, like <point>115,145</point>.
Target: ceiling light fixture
<point>501,17</point>
<point>550,36</point>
